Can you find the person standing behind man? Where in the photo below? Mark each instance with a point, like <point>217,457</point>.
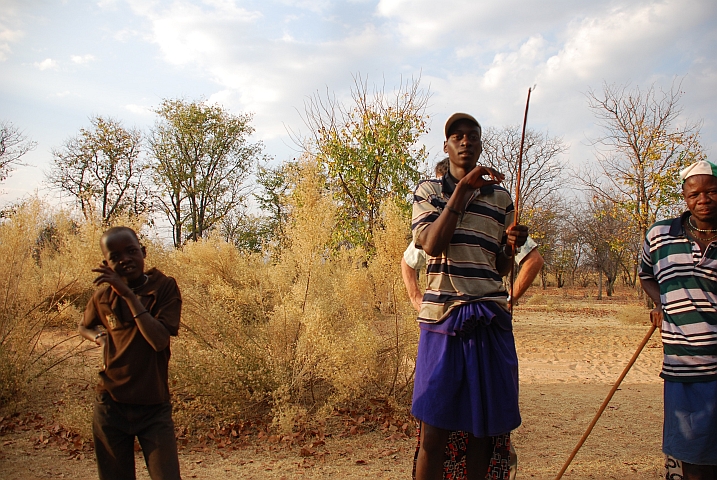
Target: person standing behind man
<point>414,259</point>
<point>679,273</point>
<point>466,368</point>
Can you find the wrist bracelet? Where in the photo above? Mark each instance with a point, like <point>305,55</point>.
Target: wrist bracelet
<point>504,251</point>
<point>101,334</point>
<point>140,313</point>
<point>454,210</point>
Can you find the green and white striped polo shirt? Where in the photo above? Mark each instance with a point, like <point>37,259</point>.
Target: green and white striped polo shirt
<point>688,292</point>
<point>465,272</point>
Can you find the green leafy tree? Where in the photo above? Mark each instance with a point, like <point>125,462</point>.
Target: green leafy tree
<point>370,151</point>
<point>276,185</point>
<point>103,169</point>
<point>201,155</point>
<point>13,145</point>
<point>641,150</point>
<point>612,240</point>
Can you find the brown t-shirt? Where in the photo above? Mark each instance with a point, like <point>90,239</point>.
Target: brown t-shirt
<point>133,371</point>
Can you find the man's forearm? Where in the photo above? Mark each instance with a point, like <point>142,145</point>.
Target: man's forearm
<point>530,267</point>
<point>652,289</point>
<point>434,239</point>
<point>152,329</point>
<point>88,333</point>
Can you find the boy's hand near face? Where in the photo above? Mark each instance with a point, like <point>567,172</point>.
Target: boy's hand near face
<point>109,276</point>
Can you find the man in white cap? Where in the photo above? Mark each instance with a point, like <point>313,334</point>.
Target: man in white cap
<point>679,273</point>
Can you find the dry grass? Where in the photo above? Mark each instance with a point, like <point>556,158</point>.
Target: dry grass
<point>295,338</point>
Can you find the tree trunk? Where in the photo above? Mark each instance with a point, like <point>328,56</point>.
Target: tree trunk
<point>610,285</point>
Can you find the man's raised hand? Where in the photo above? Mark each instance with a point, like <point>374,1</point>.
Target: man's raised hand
<point>476,177</point>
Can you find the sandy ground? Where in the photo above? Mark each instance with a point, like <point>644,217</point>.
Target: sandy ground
<point>570,355</point>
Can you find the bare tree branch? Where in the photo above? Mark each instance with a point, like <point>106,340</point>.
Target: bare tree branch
<point>13,145</point>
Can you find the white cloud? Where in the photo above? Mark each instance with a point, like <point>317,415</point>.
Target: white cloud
<point>4,51</point>
<point>81,59</point>
<point>107,4</point>
<point>316,6</point>
<point>8,34</point>
<point>142,110</point>
<point>480,56</point>
<point>47,64</point>
<point>268,72</point>
<point>185,32</point>
<point>268,57</point>
<point>427,23</point>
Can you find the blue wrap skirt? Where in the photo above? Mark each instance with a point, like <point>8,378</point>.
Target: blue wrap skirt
<point>690,429</point>
<point>467,372</point>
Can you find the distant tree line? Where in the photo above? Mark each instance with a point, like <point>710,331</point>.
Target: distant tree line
<point>193,168</point>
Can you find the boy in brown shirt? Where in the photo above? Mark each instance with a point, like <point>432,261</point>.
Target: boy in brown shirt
<point>132,318</point>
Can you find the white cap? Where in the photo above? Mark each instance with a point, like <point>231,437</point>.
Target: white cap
<point>702,167</point>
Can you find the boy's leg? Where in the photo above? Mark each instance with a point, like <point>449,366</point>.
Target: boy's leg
<point>114,446</point>
<point>429,464</point>
<point>478,455</point>
<point>159,444</point>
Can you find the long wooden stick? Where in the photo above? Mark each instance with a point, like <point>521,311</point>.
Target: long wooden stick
<point>607,400</point>
<point>516,203</point>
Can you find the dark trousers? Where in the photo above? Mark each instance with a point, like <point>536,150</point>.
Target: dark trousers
<point>114,427</point>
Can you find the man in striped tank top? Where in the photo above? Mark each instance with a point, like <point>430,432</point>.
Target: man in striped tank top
<point>466,367</point>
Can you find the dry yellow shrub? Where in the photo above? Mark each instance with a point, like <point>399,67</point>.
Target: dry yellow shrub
<point>33,296</point>
<point>294,334</point>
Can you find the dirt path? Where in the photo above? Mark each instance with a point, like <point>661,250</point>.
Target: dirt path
<point>569,359</point>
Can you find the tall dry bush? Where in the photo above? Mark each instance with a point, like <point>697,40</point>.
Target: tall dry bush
<point>340,334</point>
<point>294,334</point>
<point>219,365</point>
<point>34,295</point>
<point>398,329</point>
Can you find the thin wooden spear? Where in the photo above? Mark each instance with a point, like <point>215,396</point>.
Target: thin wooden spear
<point>607,400</point>
<point>516,203</point>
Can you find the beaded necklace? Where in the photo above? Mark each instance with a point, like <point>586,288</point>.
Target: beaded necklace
<point>702,239</point>
<point>694,227</point>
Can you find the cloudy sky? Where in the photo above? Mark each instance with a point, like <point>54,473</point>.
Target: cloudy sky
<point>62,61</point>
